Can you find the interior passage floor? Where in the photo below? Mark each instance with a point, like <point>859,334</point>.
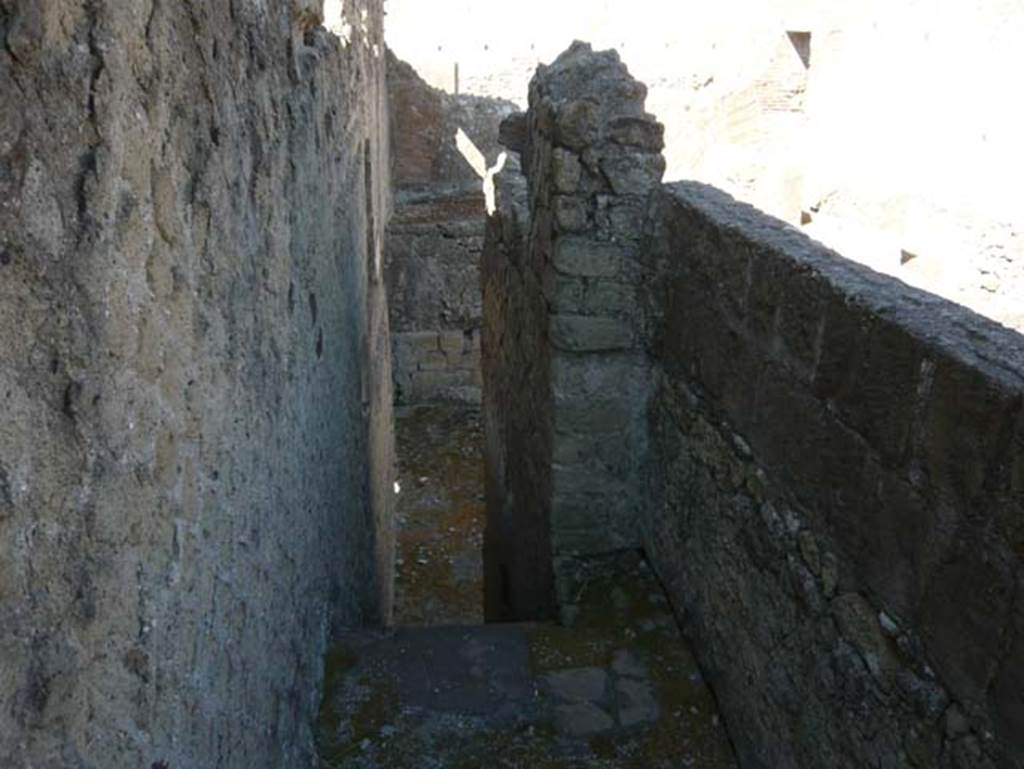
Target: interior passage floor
<point>619,689</point>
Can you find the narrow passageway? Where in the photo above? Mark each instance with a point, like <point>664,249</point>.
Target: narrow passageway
<point>618,688</point>
<point>440,513</point>
<point>613,684</point>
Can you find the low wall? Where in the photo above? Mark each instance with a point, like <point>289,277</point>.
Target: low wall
<point>838,496</point>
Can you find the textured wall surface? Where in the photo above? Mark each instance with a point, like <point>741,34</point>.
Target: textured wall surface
<point>517,414</point>
<point>838,505</point>
<point>195,457</point>
<point>442,147</point>
<point>432,269</point>
<point>906,140</point>
<point>833,461</point>
<point>591,155</point>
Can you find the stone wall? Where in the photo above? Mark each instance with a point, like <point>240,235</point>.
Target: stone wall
<point>433,249</point>
<point>883,129</point>
<point>442,147</point>
<point>195,460</point>
<point>591,155</point>
<point>824,466</point>
<point>517,415</point>
<point>839,495</point>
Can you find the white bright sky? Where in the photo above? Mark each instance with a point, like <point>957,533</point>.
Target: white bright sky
<point>921,96</point>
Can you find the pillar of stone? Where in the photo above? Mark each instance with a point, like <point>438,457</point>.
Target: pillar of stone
<point>591,155</point>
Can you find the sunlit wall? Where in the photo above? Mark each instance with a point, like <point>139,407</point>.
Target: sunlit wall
<point>898,140</point>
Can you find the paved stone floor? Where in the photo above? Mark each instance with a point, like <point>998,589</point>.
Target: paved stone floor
<point>617,690</point>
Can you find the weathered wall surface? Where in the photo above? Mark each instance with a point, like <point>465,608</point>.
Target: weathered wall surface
<point>517,414</point>
<point>442,147</point>
<point>591,155</point>
<point>434,243</point>
<point>839,497</point>
<point>194,454</point>
<point>833,461</point>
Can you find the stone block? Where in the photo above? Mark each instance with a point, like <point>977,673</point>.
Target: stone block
<point>870,369</point>
<point>587,333</point>
<point>697,330</point>
<point>570,214</point>
<point>432,360</point>
<point>644,133</point>
<point>582,719</point>
<point>600,415</point>
<point>589,258</point>
<point>606,297</point>
<point>634,173</point>
<point>764,297</point>
<point>565,294</point>
<point>429,382</point>
<point>967,427</point>
<point>467,359</point>
<point>626,219</point>
<point>1008,688</point>
<point>963,613</point>
<point>513,132</point>
<point>801,324</point>
<point>578,684</point>
<point>420,342</point>
<point>589,378</point>
<point>452,342</point>
<point>577,124</point>
<point>800,443</point>
<point>637,703</point>
<point>566,171</point>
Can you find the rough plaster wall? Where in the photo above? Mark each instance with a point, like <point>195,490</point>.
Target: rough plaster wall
<point>195,457</point>
<point>838,500</point>
<point>432,271</point>
<point>442,146</point>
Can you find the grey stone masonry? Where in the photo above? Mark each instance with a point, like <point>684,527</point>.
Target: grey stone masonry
<point>837,496</point>
<point>591,155</point>
<point>435,239</point>
<point>824,466</point>
<point>594,155</point>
